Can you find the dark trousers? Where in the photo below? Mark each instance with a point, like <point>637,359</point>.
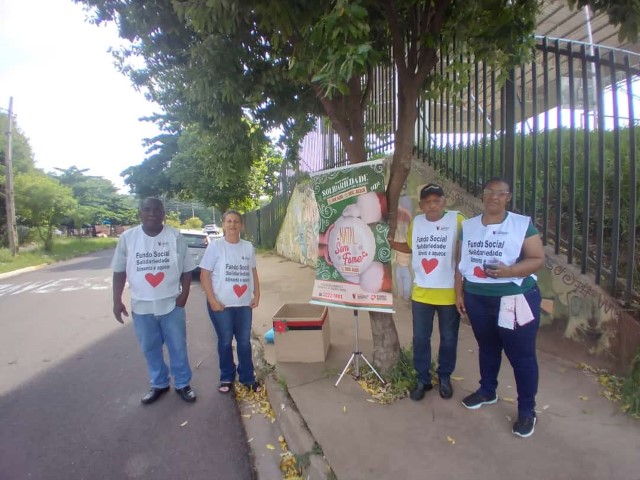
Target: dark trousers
<point>448,323</point>
<point>518,344</point>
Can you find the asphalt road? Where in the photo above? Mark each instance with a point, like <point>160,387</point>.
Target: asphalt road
<point>71,379</point>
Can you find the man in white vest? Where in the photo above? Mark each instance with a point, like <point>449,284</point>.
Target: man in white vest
<point>433,239</point>
<point>155,260</point>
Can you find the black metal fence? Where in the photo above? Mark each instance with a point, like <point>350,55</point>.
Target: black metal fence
<point>561,129</point>
<point>261,226</point>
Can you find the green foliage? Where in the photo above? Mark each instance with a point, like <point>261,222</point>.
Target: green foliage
<point>219,65</point>
<point>630,393</point>
<point>193,223</point>
<point>22,159</point>
<point>622,13</point>
<point>173,219</point>
<point>213,104</point>
<point>622,390</point>
<point>43,203</point>
<point>63,249</point>
<point>21,153</point>
<point>401,378</point>
<point>337,48</point>
<point>98,199</point>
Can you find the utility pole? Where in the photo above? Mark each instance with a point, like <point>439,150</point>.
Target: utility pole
<point>12,230</point>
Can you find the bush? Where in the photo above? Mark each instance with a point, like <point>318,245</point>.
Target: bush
<point>631,388</point>
<point>193,223</point>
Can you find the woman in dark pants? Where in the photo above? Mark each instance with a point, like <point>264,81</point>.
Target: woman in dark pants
<point>496,287</point>
<point>229,278</point>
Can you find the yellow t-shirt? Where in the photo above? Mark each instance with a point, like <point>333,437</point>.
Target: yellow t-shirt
<point>434,296</point>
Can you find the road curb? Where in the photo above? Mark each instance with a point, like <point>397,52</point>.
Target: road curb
<point>21,270</point>
<point>290,422</point>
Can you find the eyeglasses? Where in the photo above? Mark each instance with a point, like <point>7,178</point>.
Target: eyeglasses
<point>495,193</point>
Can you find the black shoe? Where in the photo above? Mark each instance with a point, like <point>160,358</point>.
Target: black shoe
<point>419,390</point>
<point>476,400</point>
<point>524,426</point>
<point>446,390</point>
<point>186,394</point>
<point>153,395</point>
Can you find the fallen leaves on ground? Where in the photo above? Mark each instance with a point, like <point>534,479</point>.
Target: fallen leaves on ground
<point>257,402</point>
<point>612,384</point>
<point>288,462</point>
<point>380,393</point>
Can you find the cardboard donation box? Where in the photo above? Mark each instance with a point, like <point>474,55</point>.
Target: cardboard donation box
<point>301,333</point>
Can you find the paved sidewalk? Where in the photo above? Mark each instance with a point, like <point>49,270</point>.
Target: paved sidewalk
<point>579,435</point>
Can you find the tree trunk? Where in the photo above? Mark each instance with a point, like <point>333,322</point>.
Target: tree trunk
<point>347,122</point>
<point>386,345</point>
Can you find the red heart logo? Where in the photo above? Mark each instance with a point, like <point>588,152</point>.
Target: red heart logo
<point>429,265</point>
<point>240,289</point>
<point>154,279</point>
<point>479,272</point>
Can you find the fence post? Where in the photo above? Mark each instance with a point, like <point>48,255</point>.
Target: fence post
<point>509,153</point>
<point>259,239</point>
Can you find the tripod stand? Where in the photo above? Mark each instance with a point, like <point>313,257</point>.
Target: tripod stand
<point>356,355</point>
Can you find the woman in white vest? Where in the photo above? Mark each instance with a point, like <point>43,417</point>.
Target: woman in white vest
<point>229,278</point>
<point>496,287</point>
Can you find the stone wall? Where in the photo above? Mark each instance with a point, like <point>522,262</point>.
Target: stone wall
<point>298,236</point>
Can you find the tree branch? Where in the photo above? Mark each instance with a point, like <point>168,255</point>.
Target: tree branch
<point>397,39</point>
<point>368,86</point>
<point>428,58</point>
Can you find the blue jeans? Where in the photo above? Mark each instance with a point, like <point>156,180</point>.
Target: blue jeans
<point>449,324</point>
<point>234,321</point>
<point>518,344</point>
<point>155,331</point>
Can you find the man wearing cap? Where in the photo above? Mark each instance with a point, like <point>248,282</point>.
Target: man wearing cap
<point>432,239</point>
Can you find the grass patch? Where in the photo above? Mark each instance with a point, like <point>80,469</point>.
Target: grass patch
<point>621,390</point>
<point>63,249</point>
<point>400,380</point>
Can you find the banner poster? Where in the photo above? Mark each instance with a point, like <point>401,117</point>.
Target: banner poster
<point>354,259</point>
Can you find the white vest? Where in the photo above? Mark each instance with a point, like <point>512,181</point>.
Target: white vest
<point>152,265</point>
<point>433,249</point>
<point>232,277</point>
<point>481,244</point>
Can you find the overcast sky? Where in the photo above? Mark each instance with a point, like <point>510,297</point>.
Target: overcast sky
<point>68,97</point>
